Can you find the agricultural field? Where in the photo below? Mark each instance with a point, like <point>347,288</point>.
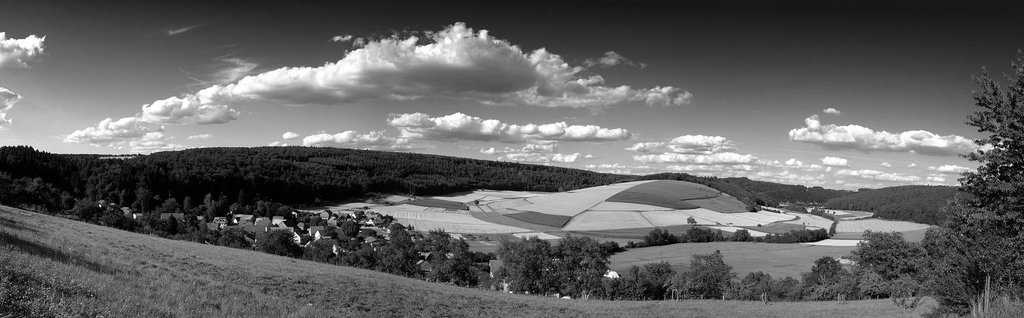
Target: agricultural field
<point>80,269</point>
<point>879,225</point>
<point>810,220</point>
<point>424,218</point>
<point>778,260</point>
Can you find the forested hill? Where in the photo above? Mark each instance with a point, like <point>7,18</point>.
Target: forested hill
<point>788,192</point>
<point>920,204</point>
<point>302,175</point>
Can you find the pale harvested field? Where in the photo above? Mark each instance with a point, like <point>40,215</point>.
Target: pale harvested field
<point>574,202</point>
<point>602,220</point>
<point>623,206</point>
<point>878,225</point>
<point>834,242</point>
<point>423,218</point>
<point>733,229</point>
<point>812,220</point>
<point>778,260</point>
<point>487,196</point>
<point>670,218</point>
<point>852,214</point>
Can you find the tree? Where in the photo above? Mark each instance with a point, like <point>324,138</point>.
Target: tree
<point>234,238</point>
<point>985,239</point>
<point>349,228</point>
<point>742,236</point>
<point>319,251</point>
<point>527,264</point>
<point>580,262</point>
<point>824,280</point>
<point>889,255</point>
<point>709,275</point>
<point>279,243</point>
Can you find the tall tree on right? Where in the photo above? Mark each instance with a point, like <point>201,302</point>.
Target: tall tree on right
<point>984,233</point>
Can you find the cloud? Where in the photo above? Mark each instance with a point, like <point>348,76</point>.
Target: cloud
<point>277,144</point>
<point>342,38</point>
<point>109,132</point>
<point>456,62</point>
<point>17,53</point>
<point>289,135</point>
<point>936,178</point>
<point>7,101</point>
<point>865,139</point>
<point>835,161</point>
<point>911,165</point>
<point>176,31</point>
<point>200,137</point>
<point>868,174</point>
<point>886,164</point>
<point>949,169</point>
<point>728,158</point>
<point>832,111</point>
<point>187,110</point>
<point>528,148</point>
<point>689,144</point>
<point>234,69</point>
<point>350,139</point>
<point>150,142</point>
<point>459,126</point>
<point>610,58</point>
<point>541,157</point>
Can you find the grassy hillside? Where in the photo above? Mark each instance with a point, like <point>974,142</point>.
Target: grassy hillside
<point>53,267</point>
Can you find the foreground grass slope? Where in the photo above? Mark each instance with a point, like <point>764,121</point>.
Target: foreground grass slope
<point>53,267</point>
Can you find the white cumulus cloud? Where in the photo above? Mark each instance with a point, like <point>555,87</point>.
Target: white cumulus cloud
<point>610,58</point>
<point>200,137</point>
<point>19,52</point>
<point>542,157</point>
<point>289,135</point>
<point>350,139</point>
<point>865,139</point>
<point>886,164</point>
<point>832,111</point>
<point>727,158</point>
<point>455,62</point>
<point>7,101</point>
<point>342,38</point>
<point>835,161</point>
<point>869,174</point>
<point>949,169</point>
<point>459,126</point>
<point>690,144</point>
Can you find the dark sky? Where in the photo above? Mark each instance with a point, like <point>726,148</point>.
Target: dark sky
<point>756,70</point>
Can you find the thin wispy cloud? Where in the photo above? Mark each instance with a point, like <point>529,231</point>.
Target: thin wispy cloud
<point>177,31</point>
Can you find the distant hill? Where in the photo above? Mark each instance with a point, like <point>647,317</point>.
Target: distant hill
<point>304,175</point>
<point>922,204</point>
<point>788,192</point>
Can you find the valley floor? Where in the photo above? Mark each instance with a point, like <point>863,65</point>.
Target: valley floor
<point>51,266</point>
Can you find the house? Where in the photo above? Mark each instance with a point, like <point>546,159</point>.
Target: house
<point>325,215</point>
<point>176,216</point>
<point>261,225</point>
<point>332,223</point>
<point>319,232</point>
<point>611,274</point>
<point>220,220</point>
<point>243,218</point>
<point>277,221</point>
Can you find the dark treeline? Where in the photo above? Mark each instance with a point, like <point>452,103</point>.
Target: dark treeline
<point>887,266</point>
<point>659,237</point>
<point>787,192</point>
<point>292,175</point>
<point>920,204</point>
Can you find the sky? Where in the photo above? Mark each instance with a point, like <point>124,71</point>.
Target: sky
<point>821,93</point>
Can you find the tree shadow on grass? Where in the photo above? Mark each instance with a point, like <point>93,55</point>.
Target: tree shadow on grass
<point>33,248</point>
<point>14,224</point>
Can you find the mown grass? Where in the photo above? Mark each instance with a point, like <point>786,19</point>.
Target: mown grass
<point>53,267</point>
